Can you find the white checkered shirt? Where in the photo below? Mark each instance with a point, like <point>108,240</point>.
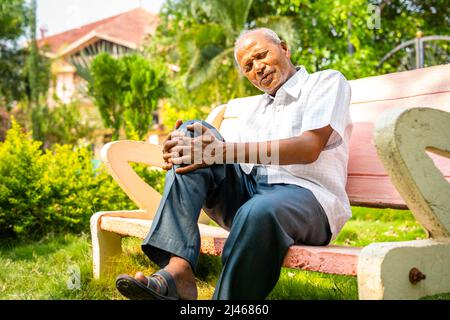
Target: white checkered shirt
<point>305,102</point>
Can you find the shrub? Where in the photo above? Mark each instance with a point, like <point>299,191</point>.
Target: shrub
<point>55,191</point>
<point>126,91</point>
<point>65,124</point>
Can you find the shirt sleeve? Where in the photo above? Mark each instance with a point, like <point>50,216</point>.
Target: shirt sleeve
<point>328,104</point>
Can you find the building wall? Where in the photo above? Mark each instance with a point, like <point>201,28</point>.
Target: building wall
<point>65,86</point>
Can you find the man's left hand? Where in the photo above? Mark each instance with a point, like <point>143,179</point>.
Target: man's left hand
<point>198,152</point>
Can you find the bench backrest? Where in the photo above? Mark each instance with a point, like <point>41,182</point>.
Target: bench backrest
<point>368,183</point>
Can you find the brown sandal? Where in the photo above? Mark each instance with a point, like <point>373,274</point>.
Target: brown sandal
<point>135,290</point>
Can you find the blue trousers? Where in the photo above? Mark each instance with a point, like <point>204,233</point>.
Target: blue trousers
<point>263,219</point>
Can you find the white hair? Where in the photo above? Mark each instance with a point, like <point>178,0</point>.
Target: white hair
<point>265,31</point>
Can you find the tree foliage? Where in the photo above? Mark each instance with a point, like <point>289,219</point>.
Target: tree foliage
<point>126,91</point>
<point>24,70</point>
<point>38,75</point>
<point>336,34</point>
<point>198,36</point>
<point>12,19</point>
<point>65,124</point>
<point>13,22</point>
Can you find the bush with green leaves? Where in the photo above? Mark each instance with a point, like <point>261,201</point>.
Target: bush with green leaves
<point>126,91</point>
<point>64,124</point>
<point>57,190</point>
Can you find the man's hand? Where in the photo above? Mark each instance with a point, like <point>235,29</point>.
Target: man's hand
<point>199,152</point>
<point>167,145</point>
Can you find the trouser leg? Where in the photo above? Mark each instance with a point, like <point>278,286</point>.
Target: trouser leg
<point>263,229</point>
<point>220,189</point>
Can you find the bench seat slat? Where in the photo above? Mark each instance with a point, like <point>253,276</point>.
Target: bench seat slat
<point>328,259</point>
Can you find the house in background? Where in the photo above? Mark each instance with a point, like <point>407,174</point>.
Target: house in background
<point>116,35</point>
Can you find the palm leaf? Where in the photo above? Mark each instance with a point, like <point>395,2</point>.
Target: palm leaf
<point>285,27</point>
<point>81,64</point>
<point>231,15</point>
<point>209,70</point>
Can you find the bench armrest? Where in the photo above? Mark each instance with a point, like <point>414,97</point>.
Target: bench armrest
<point>96,219</point>
<point>401,137</point>
<point>117,157</point>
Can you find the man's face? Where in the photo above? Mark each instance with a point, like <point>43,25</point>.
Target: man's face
<point>265,63</point>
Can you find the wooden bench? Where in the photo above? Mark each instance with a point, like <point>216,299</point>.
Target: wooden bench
<point>396,125</point>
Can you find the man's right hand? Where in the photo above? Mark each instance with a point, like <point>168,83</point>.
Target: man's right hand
<point>169,143</point>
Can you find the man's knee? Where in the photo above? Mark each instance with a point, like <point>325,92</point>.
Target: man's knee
<point>194,134</point>
<point>262,214</point>
<point>184,126</point>
<point>258,215</point>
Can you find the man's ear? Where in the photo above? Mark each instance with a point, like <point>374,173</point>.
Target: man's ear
<point>285,48</point>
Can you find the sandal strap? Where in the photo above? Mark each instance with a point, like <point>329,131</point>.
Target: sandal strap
<point>169,283</point>
<point>158,283</point>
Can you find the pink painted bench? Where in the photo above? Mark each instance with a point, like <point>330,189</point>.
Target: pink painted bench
<point>370,182</point>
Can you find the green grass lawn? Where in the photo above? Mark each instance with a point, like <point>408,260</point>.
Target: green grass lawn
<point>42,270</point>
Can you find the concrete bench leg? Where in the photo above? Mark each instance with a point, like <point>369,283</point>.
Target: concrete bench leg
<point>404,270</point>
<point>105,245</point>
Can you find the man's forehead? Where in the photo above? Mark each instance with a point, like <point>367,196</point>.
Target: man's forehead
<point>249,44</point>
<point>252,39</point>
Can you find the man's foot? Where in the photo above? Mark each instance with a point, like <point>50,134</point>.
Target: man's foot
<point>161,286</point>
<point>183,277</point>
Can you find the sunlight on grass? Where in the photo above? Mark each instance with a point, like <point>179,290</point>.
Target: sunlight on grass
<point>305,285</point>
<point>379,225</point>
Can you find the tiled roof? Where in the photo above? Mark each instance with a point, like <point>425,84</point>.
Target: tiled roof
<point>129,27</point>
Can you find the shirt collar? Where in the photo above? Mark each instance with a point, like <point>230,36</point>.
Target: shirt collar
<point>293,86</point>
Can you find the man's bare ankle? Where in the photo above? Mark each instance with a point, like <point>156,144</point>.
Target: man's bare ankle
<point>180,268</point>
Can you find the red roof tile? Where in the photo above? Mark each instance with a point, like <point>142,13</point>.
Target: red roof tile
<point>132,27</point>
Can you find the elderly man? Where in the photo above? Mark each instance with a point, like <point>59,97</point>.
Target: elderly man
<point>302,125</point>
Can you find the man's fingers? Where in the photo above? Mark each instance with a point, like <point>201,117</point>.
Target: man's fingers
<point>187,169</point>
<point>167,166</point>
<point>168,138</point>
<point>207,138</point>
<point>168,156</point>
<point>177,133</point>
<point>178,123</point>
<point>174,135</point>
<point>206,134</point>
<point>180,145</point>
<point>197,127</point>
<point>169,145</point>
<point>181,160</point>
<point>182,150</point>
